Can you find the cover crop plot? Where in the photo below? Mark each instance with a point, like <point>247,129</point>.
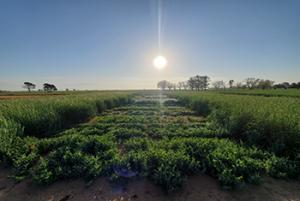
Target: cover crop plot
<point>164,142</point>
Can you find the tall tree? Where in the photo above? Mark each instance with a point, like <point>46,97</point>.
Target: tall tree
<point>180,85</point>
<point>251,82</point>
<point>219,84</point>
<point>174,86</point>
<point>198,82</point>
<point>170,86</point>
<point>49,87</point>
<point>293,85</point>
<point>240,85</point>
<point>191,83</point>
<point>231,83</point>
<point>185,85</point>
<point>265,84</point>
<point>204,82</point>
<point>286,85</point>
<point>29,86</point>
<point>162,84</point>
<point>281,86</point>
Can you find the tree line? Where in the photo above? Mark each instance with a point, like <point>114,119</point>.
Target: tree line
<point>46,87</point>
<point>198,83</point>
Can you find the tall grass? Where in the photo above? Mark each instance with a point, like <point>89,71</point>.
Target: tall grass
<point>295,93</point>
<point>45,116</point>
<point>272,123</point>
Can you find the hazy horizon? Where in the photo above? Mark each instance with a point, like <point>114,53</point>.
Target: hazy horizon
<point>111,44</point>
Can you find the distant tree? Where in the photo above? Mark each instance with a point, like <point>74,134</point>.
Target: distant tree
<point>54,87</point>
<point>198,82</point>
<point>279,86</point>
<point>231,83</point>
<point>191,83</point>
<point>286,85</point>
<point>251,83</point>
<point>219,84</point>
<point>170,85</point>
<point>240,85</point>
<point>29,86</point>
<point>265,84</point>
<point>49,87</point>
<point>180,85</point>
<point>174,86</point>
<point>185,85</point>
<point>295,85</point>
<point>162,84</point>
<point>204,82</point>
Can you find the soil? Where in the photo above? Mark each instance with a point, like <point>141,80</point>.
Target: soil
<point>196,188</point>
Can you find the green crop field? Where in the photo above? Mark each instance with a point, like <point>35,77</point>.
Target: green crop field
<point>165,137</point>
<point>295,93</point>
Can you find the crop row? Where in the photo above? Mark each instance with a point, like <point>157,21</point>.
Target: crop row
<point>155,145</point>
<point>271,123</point>
<point>295,93</point>
<point>45,116</point>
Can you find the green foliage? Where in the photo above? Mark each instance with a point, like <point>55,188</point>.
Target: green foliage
<point>168,176</point>
<point>270,123</point>
<point>163,143</point>
<point>125,133</point>
<point>11,144</point>
<point>74,156</point>
<point>295,93</point>
<point>42,117</point>
<point>283,168</point>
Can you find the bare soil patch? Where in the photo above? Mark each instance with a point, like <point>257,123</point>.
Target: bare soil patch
<point>200,187</point>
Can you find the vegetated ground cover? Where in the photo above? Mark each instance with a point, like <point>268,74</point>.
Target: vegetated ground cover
<point>34,94</point>
<point>41,94</point>
<point>44,116</point>
<point>269,123</point>
<point>149,138</point>
<point>294,93</point>
<point>25,120</point>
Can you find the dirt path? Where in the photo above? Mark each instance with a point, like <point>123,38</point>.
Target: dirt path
<point>201,187</point>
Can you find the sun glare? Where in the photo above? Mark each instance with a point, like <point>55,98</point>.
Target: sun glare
<point>160,62</point>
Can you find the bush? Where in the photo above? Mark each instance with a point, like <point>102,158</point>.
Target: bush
<point>67,163</point>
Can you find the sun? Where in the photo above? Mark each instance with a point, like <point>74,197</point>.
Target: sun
<point>160,62</point>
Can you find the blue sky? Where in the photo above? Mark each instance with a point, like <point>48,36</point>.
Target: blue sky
<point>110,44</point>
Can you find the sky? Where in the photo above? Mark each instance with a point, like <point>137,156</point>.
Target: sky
<point>110,44</point>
